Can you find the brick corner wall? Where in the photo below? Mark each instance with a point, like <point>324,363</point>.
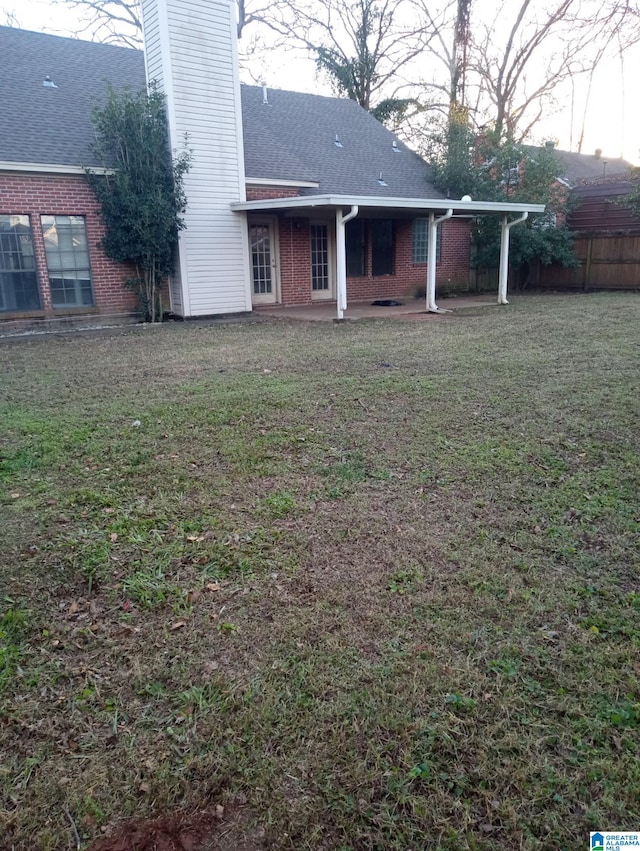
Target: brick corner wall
<point>35,195</point>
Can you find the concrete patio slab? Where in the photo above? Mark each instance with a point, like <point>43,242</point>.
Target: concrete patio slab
<point>411,308</point>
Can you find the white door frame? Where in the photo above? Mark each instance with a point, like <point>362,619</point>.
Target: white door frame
<point>274,245</point>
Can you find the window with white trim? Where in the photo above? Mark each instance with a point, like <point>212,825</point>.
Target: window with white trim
<point>67,252</point>
<point>421,241</point>
<point>18,275</point>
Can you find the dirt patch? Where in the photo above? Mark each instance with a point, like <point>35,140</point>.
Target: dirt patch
<point>206,830</point>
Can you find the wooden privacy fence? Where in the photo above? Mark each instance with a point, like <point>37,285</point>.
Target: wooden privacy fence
<point>607,261</point>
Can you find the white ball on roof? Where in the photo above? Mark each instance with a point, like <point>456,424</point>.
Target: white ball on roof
<point>466,198</point>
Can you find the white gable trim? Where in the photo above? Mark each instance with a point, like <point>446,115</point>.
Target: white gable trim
<point>267,181</point>
<point>50,168</point>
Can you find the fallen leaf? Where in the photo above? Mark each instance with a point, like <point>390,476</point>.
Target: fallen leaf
<point>144,787</point>
<point>219,811</point>
<point>213,586</point>
<point>193,596</point>
<point>195,538</point>
<point>113,537</point>
<point>177,625</point>
<point>73,608</point>
<point>15,495</point>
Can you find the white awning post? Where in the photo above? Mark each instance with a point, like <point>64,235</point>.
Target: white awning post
<point>341,258</point>
<point>504,256</point>
<point>432,253</point>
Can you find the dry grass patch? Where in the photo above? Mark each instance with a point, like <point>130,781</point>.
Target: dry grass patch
<point>386,591</point>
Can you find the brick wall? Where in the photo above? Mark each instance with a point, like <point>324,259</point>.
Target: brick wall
<point>66,195</point>
<point>35,195</point>
<point>295,260</point>
<point>452,272</point>
<point>264,193</point>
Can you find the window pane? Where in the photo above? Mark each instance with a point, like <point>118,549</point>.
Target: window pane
<point>66,249</point>
<point>354,237</point>
<point>421,241</point>
<point>18,279</point>
<point>260,241</point>
<point>382,244</point>
<point>319,257</point>
<point>69,289</point>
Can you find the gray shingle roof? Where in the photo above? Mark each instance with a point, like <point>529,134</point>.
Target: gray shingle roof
<point>290,138</point>
<point>305,126</point>
<point>53,125</point>
<point>577,168</point>
<point>581,167</point>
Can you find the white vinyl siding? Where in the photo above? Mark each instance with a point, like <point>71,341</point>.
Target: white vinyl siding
<point>196,65</point>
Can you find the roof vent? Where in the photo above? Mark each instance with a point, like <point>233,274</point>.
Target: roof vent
<point>598,153</point>
<point>337,142</point>
<point>549,144</point>
<point>265,94</point>
<point>381,180</point>
<point>394,145</point>
<point>48,82</point>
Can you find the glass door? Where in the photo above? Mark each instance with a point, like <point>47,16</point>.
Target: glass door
<point>321,261</point>
<point>264,268</point>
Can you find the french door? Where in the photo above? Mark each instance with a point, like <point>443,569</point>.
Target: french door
<point>264,261</point>
<point>321,261</point>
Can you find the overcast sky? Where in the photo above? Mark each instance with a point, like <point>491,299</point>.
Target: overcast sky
<point>613,121</point>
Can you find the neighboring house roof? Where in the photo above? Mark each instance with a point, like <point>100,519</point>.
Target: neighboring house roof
<point>579,168</point>
<point>290,138</point>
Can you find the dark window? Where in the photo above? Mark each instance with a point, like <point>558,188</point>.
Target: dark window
<point>67,251</point>
<point>421,241</point>
<point>381,247</point>
<point>354,236</point>
<point>18,277</point>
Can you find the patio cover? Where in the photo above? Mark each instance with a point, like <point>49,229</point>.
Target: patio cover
<point>347,207</point>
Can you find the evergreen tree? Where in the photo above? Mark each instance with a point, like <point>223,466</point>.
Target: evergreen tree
<point>491,168</point>
<point>141,196</point>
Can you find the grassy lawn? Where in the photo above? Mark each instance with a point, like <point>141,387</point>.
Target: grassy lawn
<point>379,579</point>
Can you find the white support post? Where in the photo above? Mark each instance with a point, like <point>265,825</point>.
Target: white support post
<point>504,256</point>
<point>341,258</point>
<point>432,253</point>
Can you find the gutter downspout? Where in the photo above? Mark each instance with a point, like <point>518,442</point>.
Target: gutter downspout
<point>341,258</point>
<point>504,256</point>
<point>432,252</point>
